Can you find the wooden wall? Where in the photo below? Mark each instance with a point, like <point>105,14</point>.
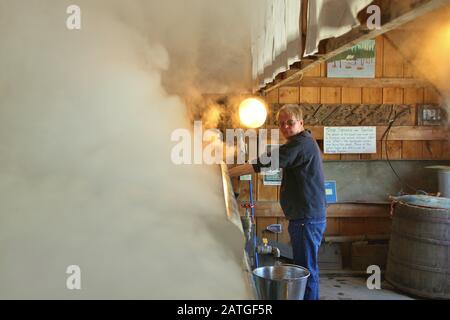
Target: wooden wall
<point>353,219</point>
<point>389,64</point>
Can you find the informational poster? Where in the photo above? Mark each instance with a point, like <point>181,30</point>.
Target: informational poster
<point>350,140</point>
<point>272,177</point>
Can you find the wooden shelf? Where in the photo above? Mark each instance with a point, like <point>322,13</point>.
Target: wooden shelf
<point>338,210</point>
<point>360,82</point>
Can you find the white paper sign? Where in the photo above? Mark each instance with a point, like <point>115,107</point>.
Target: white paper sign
<point>272,177</point>
<point>350,140</point>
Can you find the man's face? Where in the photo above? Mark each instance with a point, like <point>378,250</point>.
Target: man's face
<point>289,125</point>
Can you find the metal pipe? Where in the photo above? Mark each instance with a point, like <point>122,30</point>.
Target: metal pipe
<point>253,223</point>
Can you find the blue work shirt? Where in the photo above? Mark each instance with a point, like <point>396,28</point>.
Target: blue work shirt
<point>302,193</point>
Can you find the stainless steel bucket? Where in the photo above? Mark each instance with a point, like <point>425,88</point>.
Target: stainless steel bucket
<point>281,282</point>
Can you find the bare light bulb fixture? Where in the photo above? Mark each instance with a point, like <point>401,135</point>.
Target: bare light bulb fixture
<point>252,113</point>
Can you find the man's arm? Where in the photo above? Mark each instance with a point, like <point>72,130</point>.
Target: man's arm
<point>241,170</point>
<point>285,156</point>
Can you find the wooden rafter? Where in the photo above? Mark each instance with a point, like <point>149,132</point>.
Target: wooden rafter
<point>394,14</point>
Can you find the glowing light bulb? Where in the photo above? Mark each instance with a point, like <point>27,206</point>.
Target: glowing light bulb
<point>252,113</point>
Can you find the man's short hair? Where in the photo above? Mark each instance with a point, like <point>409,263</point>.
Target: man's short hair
<point>291,110</point>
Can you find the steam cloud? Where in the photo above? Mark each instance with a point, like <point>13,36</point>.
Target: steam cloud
<point>85,171</point>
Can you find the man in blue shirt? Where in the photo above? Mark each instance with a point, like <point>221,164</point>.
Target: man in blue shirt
<point>302,193</point>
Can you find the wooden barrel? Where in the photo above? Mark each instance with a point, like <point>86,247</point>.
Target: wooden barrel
<point>418,259</point>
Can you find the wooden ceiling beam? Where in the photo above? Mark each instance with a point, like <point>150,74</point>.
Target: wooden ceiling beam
<point>394,14</point>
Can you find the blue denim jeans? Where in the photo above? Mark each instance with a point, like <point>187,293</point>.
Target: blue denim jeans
<point>306,236</point>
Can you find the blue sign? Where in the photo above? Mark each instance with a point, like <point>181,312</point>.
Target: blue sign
<point>330,191</point>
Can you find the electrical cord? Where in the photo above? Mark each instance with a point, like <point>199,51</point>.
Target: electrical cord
<point>386,134</point>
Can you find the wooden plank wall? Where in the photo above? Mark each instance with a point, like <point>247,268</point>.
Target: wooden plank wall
<point>389,64</point>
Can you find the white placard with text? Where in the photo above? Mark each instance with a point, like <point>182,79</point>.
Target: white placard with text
<point>350,140</point>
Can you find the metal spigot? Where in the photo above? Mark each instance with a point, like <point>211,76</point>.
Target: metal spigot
<point>247,221</point>
<point>267,249</point>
